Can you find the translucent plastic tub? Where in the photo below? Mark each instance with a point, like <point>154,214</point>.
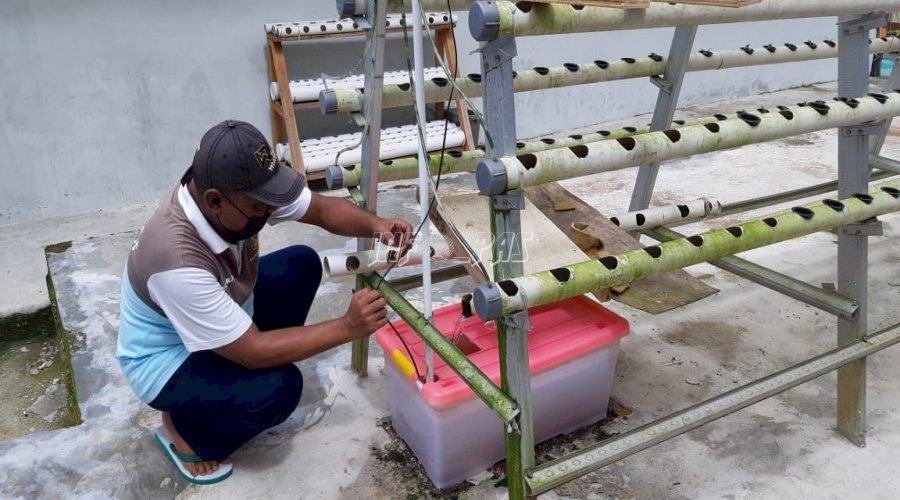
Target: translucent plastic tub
<point>573,347</point>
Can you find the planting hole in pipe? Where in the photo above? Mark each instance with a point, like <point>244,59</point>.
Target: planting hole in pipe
<point>810,44</point>
<point>604,133</point>
<point>771,222</point>
<point>762,111</point>
<point>352,263</point>
<point>509,287</point>
<point>627,142</point>
<point>528,161</point>
<point>863,197</point>
<point>440,81</point>
<point>673,135</point>
<point>678,122</point>
<point>541,70</point>
<point>610,262</point>
<point>515,75</point>
<point>571,67</point>
<point>881,98</point>
<point>707,53</point>
<point>834,205</point>
<point>771,48</point>
<point>736,231</point>
<point>656,57</point>
<point>749,118</point>
<point>820,107</point>
<point>403,86</point>
<point>630,129</point>
<point>791,47</point>
<point>629,60</point>
<point>786,114</point>
<point>684,210</point>
<point>577,7</point>
<point>640,219</point>
<point>520,145</point>
<point>576,137</point>
<point>654,251</point>
<point>615,220</point>
<point>388,162</point>
<point>697,241</point>
<point>548,140</point>
<point>524,6</point>
<point>853,103</point>
<point>830,43</point>
<point>712,127</point>
<point>804,212</point>
<point>580,151</point>
<point>350,168</point>
<point>561,274</point>
<point>892,191</point>
<point>720,117</point>
<point>455,154</point>
<point>601,64</point>
<point>475,77</point>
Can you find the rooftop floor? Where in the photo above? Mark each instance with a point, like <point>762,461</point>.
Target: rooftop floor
<point>335,445</point>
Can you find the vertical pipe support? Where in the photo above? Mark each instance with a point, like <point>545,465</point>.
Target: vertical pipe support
<point>376,13</point>
<point>497,53</point>
<point>669,91</point>
<point>853,249</point>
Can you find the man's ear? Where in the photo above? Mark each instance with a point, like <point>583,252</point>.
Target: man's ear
<point>213,199</point>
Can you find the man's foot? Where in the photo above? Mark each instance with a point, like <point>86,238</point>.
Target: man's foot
<point>197,469</point>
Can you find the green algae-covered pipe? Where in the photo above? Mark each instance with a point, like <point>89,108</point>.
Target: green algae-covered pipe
<point>455,161</point>
<point>531,169</point>
<point>438,89</point>
<point>495,299</point>
<point>350,8</point>
<point>502,404</point>
<point>488,20</point>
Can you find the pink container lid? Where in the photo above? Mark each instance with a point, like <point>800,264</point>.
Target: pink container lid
<point>560,332</point>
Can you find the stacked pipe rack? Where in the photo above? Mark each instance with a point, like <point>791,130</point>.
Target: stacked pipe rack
<point>507,166</point>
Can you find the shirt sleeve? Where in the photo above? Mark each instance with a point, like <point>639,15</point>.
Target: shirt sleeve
<point>296,210</point>
<point>204,316</point>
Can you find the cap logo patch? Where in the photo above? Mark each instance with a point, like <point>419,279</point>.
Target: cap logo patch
<point>264,158</point>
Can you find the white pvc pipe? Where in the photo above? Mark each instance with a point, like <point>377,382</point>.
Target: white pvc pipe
<point>378,259</point>
<point>308,90</point>
<point>424,173</point>
<point>300,29</point>
<point>668,214</point>
<point>319,154</point>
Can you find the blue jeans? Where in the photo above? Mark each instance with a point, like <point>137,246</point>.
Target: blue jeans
<point>218,405</point>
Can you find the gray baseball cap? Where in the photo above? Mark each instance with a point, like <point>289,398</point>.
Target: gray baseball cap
<point>235,156</point>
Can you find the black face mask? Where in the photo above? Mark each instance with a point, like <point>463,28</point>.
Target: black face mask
<point>253,226</point>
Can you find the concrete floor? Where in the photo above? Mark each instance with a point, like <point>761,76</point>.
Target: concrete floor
<point>333,446</point>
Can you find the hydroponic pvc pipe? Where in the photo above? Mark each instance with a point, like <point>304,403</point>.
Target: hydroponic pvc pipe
<point>489,20</point>
<point>378,259</point>
<point>299,29</point>
<point>508,173</point>
<point>466,161</point>
<point>495,299</point>
<point>348,99</point>
<point>349,8</point>
<point>668,214</point>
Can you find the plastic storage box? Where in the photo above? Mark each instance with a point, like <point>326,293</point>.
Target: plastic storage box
<point>573,347</point>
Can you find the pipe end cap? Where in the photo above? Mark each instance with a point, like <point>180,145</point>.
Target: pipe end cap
<point>488,301</point>
<point>334,177</point>
<point>490,175</point>
<point>347,8</point>
<point>484,21</point>
<point>328,102</point>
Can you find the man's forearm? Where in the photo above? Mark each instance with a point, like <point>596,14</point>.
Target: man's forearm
<point>342,217</point>
<point>289,345</point>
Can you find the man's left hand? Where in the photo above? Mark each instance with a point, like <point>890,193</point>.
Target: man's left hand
<point>395,233</point>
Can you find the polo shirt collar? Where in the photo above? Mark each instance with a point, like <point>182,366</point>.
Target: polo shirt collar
<point>206,232</point>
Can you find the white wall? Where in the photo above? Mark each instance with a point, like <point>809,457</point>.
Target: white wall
<point>102,102</point>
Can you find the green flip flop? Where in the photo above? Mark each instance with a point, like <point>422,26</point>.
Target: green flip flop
<point>178,459</point>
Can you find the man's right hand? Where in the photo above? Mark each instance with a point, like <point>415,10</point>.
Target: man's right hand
<point>367,313</point>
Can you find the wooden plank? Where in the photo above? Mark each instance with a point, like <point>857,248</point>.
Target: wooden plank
<point>545,246</point>
<point>620,4</point>
<point>714,3</point>
<point>653,295</point>
<point>291,129</point>
<point>448,47</point>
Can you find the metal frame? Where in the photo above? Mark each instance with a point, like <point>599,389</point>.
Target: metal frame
<point>512,400</point>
